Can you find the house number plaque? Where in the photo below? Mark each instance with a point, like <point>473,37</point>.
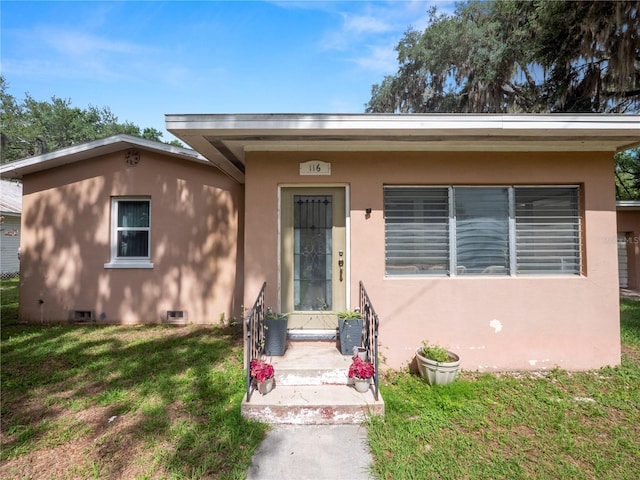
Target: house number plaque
<point>315,167</point>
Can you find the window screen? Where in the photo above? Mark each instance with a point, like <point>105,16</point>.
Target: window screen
<point>547,230</point>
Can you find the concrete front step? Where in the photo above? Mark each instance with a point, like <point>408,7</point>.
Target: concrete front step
<point>311,363</point>
<point>312,405</point>
<point>312,387</point>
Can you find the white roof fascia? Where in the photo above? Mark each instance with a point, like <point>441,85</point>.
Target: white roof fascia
<point>383,124</point>
<point>245,132</point>
<point>94,148</point>
<point>628,205</point>
<point>225,138</point>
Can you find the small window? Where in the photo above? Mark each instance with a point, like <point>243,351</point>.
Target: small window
<point>130,233</point>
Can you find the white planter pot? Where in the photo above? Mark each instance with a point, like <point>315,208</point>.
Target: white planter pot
<point>438,373</point>
<point>266,386</point>
<point>361,384</point>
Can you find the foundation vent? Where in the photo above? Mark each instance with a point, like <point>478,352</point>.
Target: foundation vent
<point>175,317</point>
<point>82,316</point>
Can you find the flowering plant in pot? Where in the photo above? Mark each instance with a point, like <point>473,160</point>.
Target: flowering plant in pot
<point>262,374</point>
<point>361,372</point>
<point>437,365</point>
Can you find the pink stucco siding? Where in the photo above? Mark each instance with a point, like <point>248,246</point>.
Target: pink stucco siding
<point>629,224</point>
<point>196,215</point>
<point>500,323</point>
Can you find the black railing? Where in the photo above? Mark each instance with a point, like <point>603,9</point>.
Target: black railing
<point>255,334</point>
<point>370,330</point>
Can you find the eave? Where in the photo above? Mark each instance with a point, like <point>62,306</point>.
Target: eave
<point>225,139</point>
<point>103,146</point>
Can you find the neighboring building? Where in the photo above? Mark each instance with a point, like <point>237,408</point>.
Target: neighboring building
<point>10,212</point>
<point>628,219</point>
<point>490,234</point>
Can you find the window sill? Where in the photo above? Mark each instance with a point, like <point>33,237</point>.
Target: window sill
<point>128,265</point>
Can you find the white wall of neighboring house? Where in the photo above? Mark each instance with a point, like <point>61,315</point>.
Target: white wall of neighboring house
<point>10,214</point>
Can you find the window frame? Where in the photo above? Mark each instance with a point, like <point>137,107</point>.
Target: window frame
<point>132,261</point>
<point>510,239</point>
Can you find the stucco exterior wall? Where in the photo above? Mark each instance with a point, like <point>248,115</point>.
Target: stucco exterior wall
<point>498,323</point>
<point>629,223</point>
<point>196,213</point>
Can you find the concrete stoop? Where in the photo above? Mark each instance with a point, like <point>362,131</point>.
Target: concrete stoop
<point>312,388</point>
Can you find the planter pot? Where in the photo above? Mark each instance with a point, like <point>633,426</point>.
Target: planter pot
<point>361,352</point>
<point>275,335</point>
<point>361,384</point>
<point>438,373</point>
<point>266,386</point>
<point>350,331</point>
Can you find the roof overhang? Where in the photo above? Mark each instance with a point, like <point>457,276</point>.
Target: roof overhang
<point>225,138</point>
<point>626,205</point>
<point>84,151</point>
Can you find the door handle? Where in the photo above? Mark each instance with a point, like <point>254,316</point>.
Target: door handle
<point>341,263</point>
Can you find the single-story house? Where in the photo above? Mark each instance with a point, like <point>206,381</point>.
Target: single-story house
<point>489,234</point>
<point>10,212</point>
<point>126,230</point>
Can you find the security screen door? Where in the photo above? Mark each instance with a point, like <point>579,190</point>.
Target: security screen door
<point>313,256</point>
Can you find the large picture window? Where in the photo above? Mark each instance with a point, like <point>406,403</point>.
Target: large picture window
<point>503,230</point>
<point>130,233</point>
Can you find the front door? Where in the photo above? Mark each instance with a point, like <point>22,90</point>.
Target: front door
<point>313,256</point>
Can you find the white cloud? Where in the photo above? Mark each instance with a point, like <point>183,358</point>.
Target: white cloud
<point>81,44</point>
<point>378,58</point>
<point>364,24</point>
<point>368,32</point>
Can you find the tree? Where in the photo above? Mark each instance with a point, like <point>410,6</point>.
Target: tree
<point>628,175</point>
<point>519,56</point>
<point>514,56</point>
<point>32,127</point>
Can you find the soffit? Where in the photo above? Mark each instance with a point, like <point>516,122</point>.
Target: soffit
<point>226,138</point>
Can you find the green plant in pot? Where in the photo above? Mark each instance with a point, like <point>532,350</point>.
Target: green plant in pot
<point>350,330</point>
<point>275,333</point>
<point>436,364</point>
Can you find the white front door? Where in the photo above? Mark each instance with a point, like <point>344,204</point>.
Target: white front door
<point>313,256</point>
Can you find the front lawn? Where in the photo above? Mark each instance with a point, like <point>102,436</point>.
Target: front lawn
<point>547,425</point>
<point>164,402</point>
<point>124,402</point>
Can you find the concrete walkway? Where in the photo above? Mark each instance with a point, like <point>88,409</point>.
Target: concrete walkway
<point>313,452</point>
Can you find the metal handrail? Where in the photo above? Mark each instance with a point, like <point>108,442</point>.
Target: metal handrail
<point>255,334</point>
<point>370,337</point>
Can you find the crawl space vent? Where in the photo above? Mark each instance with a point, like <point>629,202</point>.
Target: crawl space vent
<point>175,317</point>
<point>82,316</point>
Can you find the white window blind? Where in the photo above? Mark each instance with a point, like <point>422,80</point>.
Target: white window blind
<point>547,230</point>
<point>500,230</point>
<point>417,230</point>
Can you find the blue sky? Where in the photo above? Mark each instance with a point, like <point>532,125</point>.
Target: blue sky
<point>144,59</point>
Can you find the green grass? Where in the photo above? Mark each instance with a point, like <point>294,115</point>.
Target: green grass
<point>540,426</point>
<point>9,301</point>
<point>123,402</point>
<point>163,402</point>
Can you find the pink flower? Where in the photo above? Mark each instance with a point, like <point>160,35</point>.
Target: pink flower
<point>261,370</point>
<point>361,369</point>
